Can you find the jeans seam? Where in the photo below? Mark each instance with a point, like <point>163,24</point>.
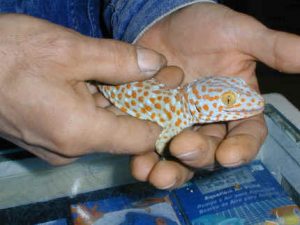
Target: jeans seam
<point>72,12</point>
<point>91,17</point>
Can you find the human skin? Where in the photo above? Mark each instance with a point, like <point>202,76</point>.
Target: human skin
<point>46,105</point>
<point>211,39</point>
<point>47,108</point>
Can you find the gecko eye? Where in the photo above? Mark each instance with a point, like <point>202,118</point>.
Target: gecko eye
<point>228,98</point>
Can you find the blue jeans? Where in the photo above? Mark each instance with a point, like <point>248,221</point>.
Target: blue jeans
<point>119,19</point>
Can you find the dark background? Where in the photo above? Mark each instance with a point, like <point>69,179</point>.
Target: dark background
<point>283,15</point>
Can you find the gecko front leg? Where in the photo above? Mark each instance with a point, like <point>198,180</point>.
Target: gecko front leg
<point>165,136</point>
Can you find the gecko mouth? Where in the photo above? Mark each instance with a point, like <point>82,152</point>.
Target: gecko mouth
<point>257,110</point>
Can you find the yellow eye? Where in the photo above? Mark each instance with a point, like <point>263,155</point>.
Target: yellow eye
<point>228,98</point>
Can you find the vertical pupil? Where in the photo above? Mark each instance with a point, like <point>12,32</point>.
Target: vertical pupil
<point>228,99</point>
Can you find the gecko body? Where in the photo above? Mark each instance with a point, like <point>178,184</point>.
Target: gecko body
<point>206,100</point>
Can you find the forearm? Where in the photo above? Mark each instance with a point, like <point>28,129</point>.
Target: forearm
<point>128,20</point>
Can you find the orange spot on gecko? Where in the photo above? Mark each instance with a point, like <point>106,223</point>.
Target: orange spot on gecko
<point>128,86</point>
<point>141,99</point>
<point>243,100</point>
<point>119,95</point>
<point>215,105</point>
<point>127,104</point>
<point>113,95</point>
<point>148,108</point>
<point>169,114</point>
<point>152,100</point>
<point>133,95</point>
<point>167,100</point>
<point>249,104</point>
<point>220,109</point>
<point>178,122</point>
<point>159,98</point>
<point>139,84</point>
<point>203,88</point>
<point>157,105</point>
<point>173,108</point>
<point>192,101</point>
<point>179,112</point>
<point>195,91</point>
<point>205,107</point>
<point>146,93</point>
<point>153,115</point>
<point>162,120</point>
<point>133,103</point>
<point>123,109</point>
<point>253,100</point>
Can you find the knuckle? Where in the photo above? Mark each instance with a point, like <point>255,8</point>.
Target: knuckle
<point>121,55</point>
<point>63,46</point>
<point>67,138</point>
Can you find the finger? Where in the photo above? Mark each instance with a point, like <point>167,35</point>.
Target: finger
<point>277,49</point>
<point>171,76</point>
<point>111,61</point>
<point>242,142</point>
<point>101,101</point>
<point>120,134</point>
<point>169,174</point>
<point>48,156</point>
<point>196,148</point>
<point>141,165</point>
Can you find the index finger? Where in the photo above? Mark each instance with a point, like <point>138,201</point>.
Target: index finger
<point>122,134</point>
<point>242,142</point>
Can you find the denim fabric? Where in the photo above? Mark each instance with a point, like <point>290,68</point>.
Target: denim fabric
<point>80,15</point>
<point>123,19</point>
<point>128,19</point>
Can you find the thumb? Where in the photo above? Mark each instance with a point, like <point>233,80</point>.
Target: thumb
<point>111,61</point>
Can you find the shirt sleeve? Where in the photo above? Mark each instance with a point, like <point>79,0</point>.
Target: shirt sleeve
<point>127,20</point>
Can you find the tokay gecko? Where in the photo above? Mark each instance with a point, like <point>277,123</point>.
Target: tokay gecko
<point>206,100</point>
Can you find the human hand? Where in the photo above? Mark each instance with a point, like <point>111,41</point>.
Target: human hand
<point>46,106</point>
<point>211,39</point>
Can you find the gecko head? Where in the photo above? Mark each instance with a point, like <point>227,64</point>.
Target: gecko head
<point>214,99</point>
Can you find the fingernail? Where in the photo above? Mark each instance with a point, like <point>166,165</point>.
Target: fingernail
<point>188,156</point>
<point>149,61</point>
<point>169,186</point>
<point>234,164</point>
